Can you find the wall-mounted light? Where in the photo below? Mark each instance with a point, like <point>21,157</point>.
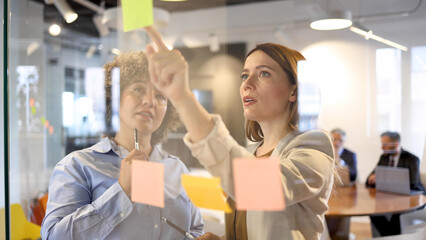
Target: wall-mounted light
<point>55,29</point>
<point>64,8</point>
<point>368,34</point>
<point>332,20</point>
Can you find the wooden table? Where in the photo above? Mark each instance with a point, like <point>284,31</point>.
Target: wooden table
<point>358,200</point>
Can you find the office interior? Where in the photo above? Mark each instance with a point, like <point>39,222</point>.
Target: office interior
<point>53,94</point>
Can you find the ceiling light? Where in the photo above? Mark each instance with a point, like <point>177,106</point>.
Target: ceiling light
<point>91,51</point>
<point>368,34</point>
<point>102,29</point>
<point>115,51</point>
<point>214,43</point>
<point>333,20</point>
<point>66,11</point>
<point>54,29</point>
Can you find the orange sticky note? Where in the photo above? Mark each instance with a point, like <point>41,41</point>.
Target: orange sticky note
<point>31,102</point>
<point>148,183</point>
<point>137,14</point>
<point>205,192</point>
<point>46,123</point>
<point>51,129</point>
<point>258,185</point>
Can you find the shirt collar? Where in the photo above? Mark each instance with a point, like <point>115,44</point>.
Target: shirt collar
<point>106,144</point>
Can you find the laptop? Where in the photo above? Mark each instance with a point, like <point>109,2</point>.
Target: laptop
<point>395,180</point>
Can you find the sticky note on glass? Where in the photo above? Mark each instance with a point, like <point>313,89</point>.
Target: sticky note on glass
<point>205,192</point>
<point>257,184</point>
<point>137,14</point>
<point>148,183</point>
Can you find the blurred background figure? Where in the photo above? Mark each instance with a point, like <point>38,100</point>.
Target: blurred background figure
<point>345,157</point>
<point>393,156</point>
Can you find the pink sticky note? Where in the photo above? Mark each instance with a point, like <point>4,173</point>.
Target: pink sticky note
<point>148,183</point>
<point>258,184</point>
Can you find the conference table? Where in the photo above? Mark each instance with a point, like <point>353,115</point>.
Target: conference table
<point>357,200</point>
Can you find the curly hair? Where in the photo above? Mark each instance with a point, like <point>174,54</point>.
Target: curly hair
<point>287,58</point>
<point>133,68</point>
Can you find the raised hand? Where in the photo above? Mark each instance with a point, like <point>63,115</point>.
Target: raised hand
<point>125,178</point>
<point>168,68</point>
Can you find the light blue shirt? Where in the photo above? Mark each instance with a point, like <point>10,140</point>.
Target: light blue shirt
<point>87,202</point>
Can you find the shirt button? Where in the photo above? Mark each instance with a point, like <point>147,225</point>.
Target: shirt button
<point>122,214</point>
<point>155,226</point>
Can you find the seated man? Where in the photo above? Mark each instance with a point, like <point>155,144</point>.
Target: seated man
<point>394,156</point>
<point>347,157</point>
<point>338,227</point>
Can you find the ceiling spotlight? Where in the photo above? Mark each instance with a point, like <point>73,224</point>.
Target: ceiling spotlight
<point>333,20</point>
<point>102,29</point>
<point>66,11</point>
<point>91,51</point>
<point>115,51</point>
<point>214,43</point>
<point>54,29</point>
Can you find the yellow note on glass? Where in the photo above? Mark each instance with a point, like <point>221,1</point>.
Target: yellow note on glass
<point>205,192</point>
<point>137,14</point>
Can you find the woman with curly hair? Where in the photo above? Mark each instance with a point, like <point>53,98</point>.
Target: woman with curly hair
<point>89,191</point>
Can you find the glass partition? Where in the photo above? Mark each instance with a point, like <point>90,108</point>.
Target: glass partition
<point>62,102</point>
<point>3,129</point>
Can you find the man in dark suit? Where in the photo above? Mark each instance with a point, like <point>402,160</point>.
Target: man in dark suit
<point>340,226</point>
<point>347,157</point>
<point>394,156</point>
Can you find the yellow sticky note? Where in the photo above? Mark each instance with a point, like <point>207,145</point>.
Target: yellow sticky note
<point>258,184</point>
<point>137,14</point>
<point>33,110</point>
<point>205,192</point>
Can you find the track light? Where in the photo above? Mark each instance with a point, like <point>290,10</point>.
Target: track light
<point>333,20</point>
<point>368,34</point>
<point>102,29</point>
<point>214,43</point>
<point>64,8</point>
<point>54,29</point>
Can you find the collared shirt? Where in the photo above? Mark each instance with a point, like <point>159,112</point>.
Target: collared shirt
<point>87,202</point>
<point>396,158</point>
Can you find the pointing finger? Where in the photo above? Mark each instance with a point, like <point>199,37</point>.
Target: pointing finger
<point>156,38</point>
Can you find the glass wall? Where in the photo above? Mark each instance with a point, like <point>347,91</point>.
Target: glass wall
<point>2,129</point>
<point>59,101</point>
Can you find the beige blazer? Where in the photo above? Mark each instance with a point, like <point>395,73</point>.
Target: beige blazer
<point>307,162</point>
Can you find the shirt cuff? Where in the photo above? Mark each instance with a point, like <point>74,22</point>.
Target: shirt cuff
<point>214,147</point>
<point>114,205</point>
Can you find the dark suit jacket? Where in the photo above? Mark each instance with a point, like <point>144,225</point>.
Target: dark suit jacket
<point>350,159</point>
<point>406,160</point>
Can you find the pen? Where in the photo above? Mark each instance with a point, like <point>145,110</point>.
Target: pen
<point>178,229</point>
<point>136,139</point>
